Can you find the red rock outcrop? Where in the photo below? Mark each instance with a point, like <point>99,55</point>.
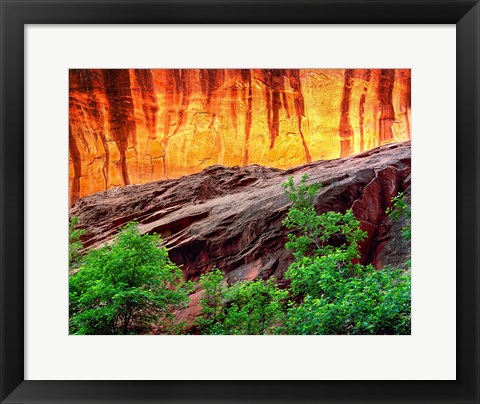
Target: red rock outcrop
<point>231,217</point>
<point>140,125</point>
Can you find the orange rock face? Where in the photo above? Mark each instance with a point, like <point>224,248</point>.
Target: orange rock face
<point>140,125</point>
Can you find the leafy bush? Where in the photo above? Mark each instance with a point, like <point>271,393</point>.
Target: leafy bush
<point>212,299</point>
<point>336,294</point>
<point>246,308</point>
<point>74,243</point>
<point>125,287</point>
<point>253,307</point>
<point>371,302</point>
<point>400,209</point>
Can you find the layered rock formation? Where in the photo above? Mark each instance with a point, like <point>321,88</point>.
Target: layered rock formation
<point>140,125</point>
<point>230,217</point>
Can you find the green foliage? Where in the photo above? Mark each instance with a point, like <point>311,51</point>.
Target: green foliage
<point>326,241</point>
<point>303,195</point>
<point>372,302</point>
<point>125,287</point>
<point>74,243</point>
<point>333,293</point>
<point>253,307</point>
<point>211,302</point>
<point>246,308</point>
<point>401,209</point>
<point>317,234</point>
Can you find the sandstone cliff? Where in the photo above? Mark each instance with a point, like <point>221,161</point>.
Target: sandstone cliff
<point>231,217</point>
<point>140,125</point>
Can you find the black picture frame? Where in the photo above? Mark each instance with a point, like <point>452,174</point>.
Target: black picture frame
<point>16,13</point>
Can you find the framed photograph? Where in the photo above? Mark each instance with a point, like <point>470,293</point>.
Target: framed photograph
<point>239,201</point>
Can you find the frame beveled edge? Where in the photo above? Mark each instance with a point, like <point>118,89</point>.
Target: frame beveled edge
<point>15,14</point>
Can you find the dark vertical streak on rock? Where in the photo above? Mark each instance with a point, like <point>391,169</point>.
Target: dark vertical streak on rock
<point>177,99</point>
<point>247,79</point>
<point>345,129</point>
<point>207,84</point>
<point>106,163</point>
<point>204,81</point>
<point>277,89</point>
<point>361,117</point>
<point>285,103</point>
<point>268,101</point>
<point>77,167</point>
<point>272,101</point>
<point>210,81</point>
<point>120,113</point>
<point>170,90</point>
<point>387,113</point>
<point>149,99</point>
<point>233,111</point>
<point>294,76</point>
<point>361,109</point>
<point>374,142</point>
<point>284,94</point>
<point>233,95</point>
<point>85,114</point>
<point>182,89</point>
<point>406,97</point>
<point>274,85</point>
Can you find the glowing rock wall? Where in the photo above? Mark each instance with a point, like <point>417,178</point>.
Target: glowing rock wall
<point>140,125</point>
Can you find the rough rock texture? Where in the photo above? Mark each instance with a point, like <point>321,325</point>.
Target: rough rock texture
<point>140,125</point>
<point>231,217</point>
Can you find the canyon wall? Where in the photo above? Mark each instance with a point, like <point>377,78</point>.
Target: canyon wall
<point>140,125</point>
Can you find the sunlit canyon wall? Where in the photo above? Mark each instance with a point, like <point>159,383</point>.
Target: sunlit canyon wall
<point>140,125</point>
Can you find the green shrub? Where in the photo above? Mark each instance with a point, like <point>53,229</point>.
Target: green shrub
<point>126,287</point>
<point>400,209</point>
<point>74,243</point>
<point>371,302</point>
<point>332,293</point>
<point>211,303</point>
<point>245,308</point>
<point>253,307</point>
